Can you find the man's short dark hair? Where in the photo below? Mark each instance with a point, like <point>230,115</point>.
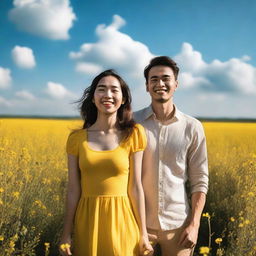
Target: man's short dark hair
<point>162,61</point>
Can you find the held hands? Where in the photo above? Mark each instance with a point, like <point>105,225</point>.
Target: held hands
<point>189,236</point>
<point>145,246</point>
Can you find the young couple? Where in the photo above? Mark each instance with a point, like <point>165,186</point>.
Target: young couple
<point>127,181</point>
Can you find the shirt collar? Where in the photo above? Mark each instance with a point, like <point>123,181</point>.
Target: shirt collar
<point>150,113</point>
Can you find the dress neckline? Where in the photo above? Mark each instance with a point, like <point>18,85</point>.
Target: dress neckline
<point>101,151</point>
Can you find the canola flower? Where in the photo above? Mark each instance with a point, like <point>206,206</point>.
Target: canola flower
<point>47,246</point>
<point>218,240</point>
<point>33,176</point>
<point>204,250</point>
<point>63,247</point>
<point>206,215</point>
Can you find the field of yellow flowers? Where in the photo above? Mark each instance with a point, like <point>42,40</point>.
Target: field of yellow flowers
<point>33,177</point>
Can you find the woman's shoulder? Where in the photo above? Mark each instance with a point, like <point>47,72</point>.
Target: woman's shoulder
<point>139,128</point>
<point>75,134</point>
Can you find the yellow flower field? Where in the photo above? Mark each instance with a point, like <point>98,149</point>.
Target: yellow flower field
<point>33,176</point>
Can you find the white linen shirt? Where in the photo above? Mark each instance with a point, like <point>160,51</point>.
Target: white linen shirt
<point>175,153</point>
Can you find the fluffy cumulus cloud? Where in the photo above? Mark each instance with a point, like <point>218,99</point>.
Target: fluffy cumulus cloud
<point>26,95</point>
<point>23,57</point>
<point>113,49</point>
<point>5,78</point>
<point>58,91</point>
<point>46,18</point>
<point>232,76</point>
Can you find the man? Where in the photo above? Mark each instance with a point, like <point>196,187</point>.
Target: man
<point>174,158</point>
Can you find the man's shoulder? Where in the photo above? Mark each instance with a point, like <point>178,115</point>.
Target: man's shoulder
<point>190,120</point>
<point>142,114</point>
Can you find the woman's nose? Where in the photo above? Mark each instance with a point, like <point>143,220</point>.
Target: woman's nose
<point>108,94</point>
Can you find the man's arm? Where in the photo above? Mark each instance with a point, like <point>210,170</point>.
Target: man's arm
<point>189,236</point>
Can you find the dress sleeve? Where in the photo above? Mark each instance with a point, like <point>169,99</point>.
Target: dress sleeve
<point>72,144</point>
<point>139,139</point>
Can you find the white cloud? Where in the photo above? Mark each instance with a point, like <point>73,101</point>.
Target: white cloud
<point>4,102</point>
<point>25,95</point>
<point>42,106</point>
<point>5,78</point>
<point>57,91</point>
<point>23,57</point>
<point>88,68</point>
<point>46,18</point>
<point>113,49</point>
<point>232,76</point>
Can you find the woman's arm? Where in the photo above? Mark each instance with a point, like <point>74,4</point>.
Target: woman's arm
<point>72,198</point>
<point>136,196</point>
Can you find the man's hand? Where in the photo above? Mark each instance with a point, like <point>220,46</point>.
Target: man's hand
<point>189,236</point>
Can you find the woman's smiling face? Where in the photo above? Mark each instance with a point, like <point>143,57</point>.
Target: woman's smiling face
<point>108,95</point>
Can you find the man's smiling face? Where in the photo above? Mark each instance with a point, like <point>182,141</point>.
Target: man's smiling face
<point>161,83</point>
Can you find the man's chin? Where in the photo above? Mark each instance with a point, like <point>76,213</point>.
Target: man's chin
<point>162,100</point>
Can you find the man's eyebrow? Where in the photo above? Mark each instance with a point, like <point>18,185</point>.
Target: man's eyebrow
<point>163,76</point>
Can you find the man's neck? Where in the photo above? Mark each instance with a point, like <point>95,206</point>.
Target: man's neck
<point>163,111</point>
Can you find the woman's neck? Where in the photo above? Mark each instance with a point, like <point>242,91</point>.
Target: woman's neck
<point>105,123</point>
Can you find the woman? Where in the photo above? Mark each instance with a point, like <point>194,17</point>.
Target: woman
<point>105,198</point>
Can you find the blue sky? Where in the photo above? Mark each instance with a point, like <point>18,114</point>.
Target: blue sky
<point>51,49</point>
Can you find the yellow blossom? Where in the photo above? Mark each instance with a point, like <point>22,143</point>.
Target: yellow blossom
<point>207,215</point>
<point>47,245</point>
<point>240,225</point>
<point>247,222</point>
<point>218,240</point>
<point>232,219</point>
<point>204,250</point>
<point>12,244</point>
<point>1,190</point>
<point>63,247</point>
<point>1,238</point>
<point>16,194</point>
<point>251,194</point>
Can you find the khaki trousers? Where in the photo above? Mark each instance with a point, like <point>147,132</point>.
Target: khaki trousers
<point>168,242</point>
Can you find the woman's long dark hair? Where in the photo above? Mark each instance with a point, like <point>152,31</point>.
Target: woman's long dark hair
<point>89,111</point>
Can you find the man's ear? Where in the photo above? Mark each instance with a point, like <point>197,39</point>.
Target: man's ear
<point>146,86</point>
<point>177,84</point>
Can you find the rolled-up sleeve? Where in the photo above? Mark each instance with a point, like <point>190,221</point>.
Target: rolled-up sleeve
<point>197,161</point>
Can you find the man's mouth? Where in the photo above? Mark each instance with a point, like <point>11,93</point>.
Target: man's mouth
<point>160,90</point>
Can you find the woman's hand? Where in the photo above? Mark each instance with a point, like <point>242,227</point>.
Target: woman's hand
<point>145,246</point>
<point>65,247</point>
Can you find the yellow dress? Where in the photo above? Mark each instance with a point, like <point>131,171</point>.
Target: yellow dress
<point>104,222</point>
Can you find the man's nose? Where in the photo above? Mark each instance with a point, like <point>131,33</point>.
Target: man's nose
<point>161,82</point>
